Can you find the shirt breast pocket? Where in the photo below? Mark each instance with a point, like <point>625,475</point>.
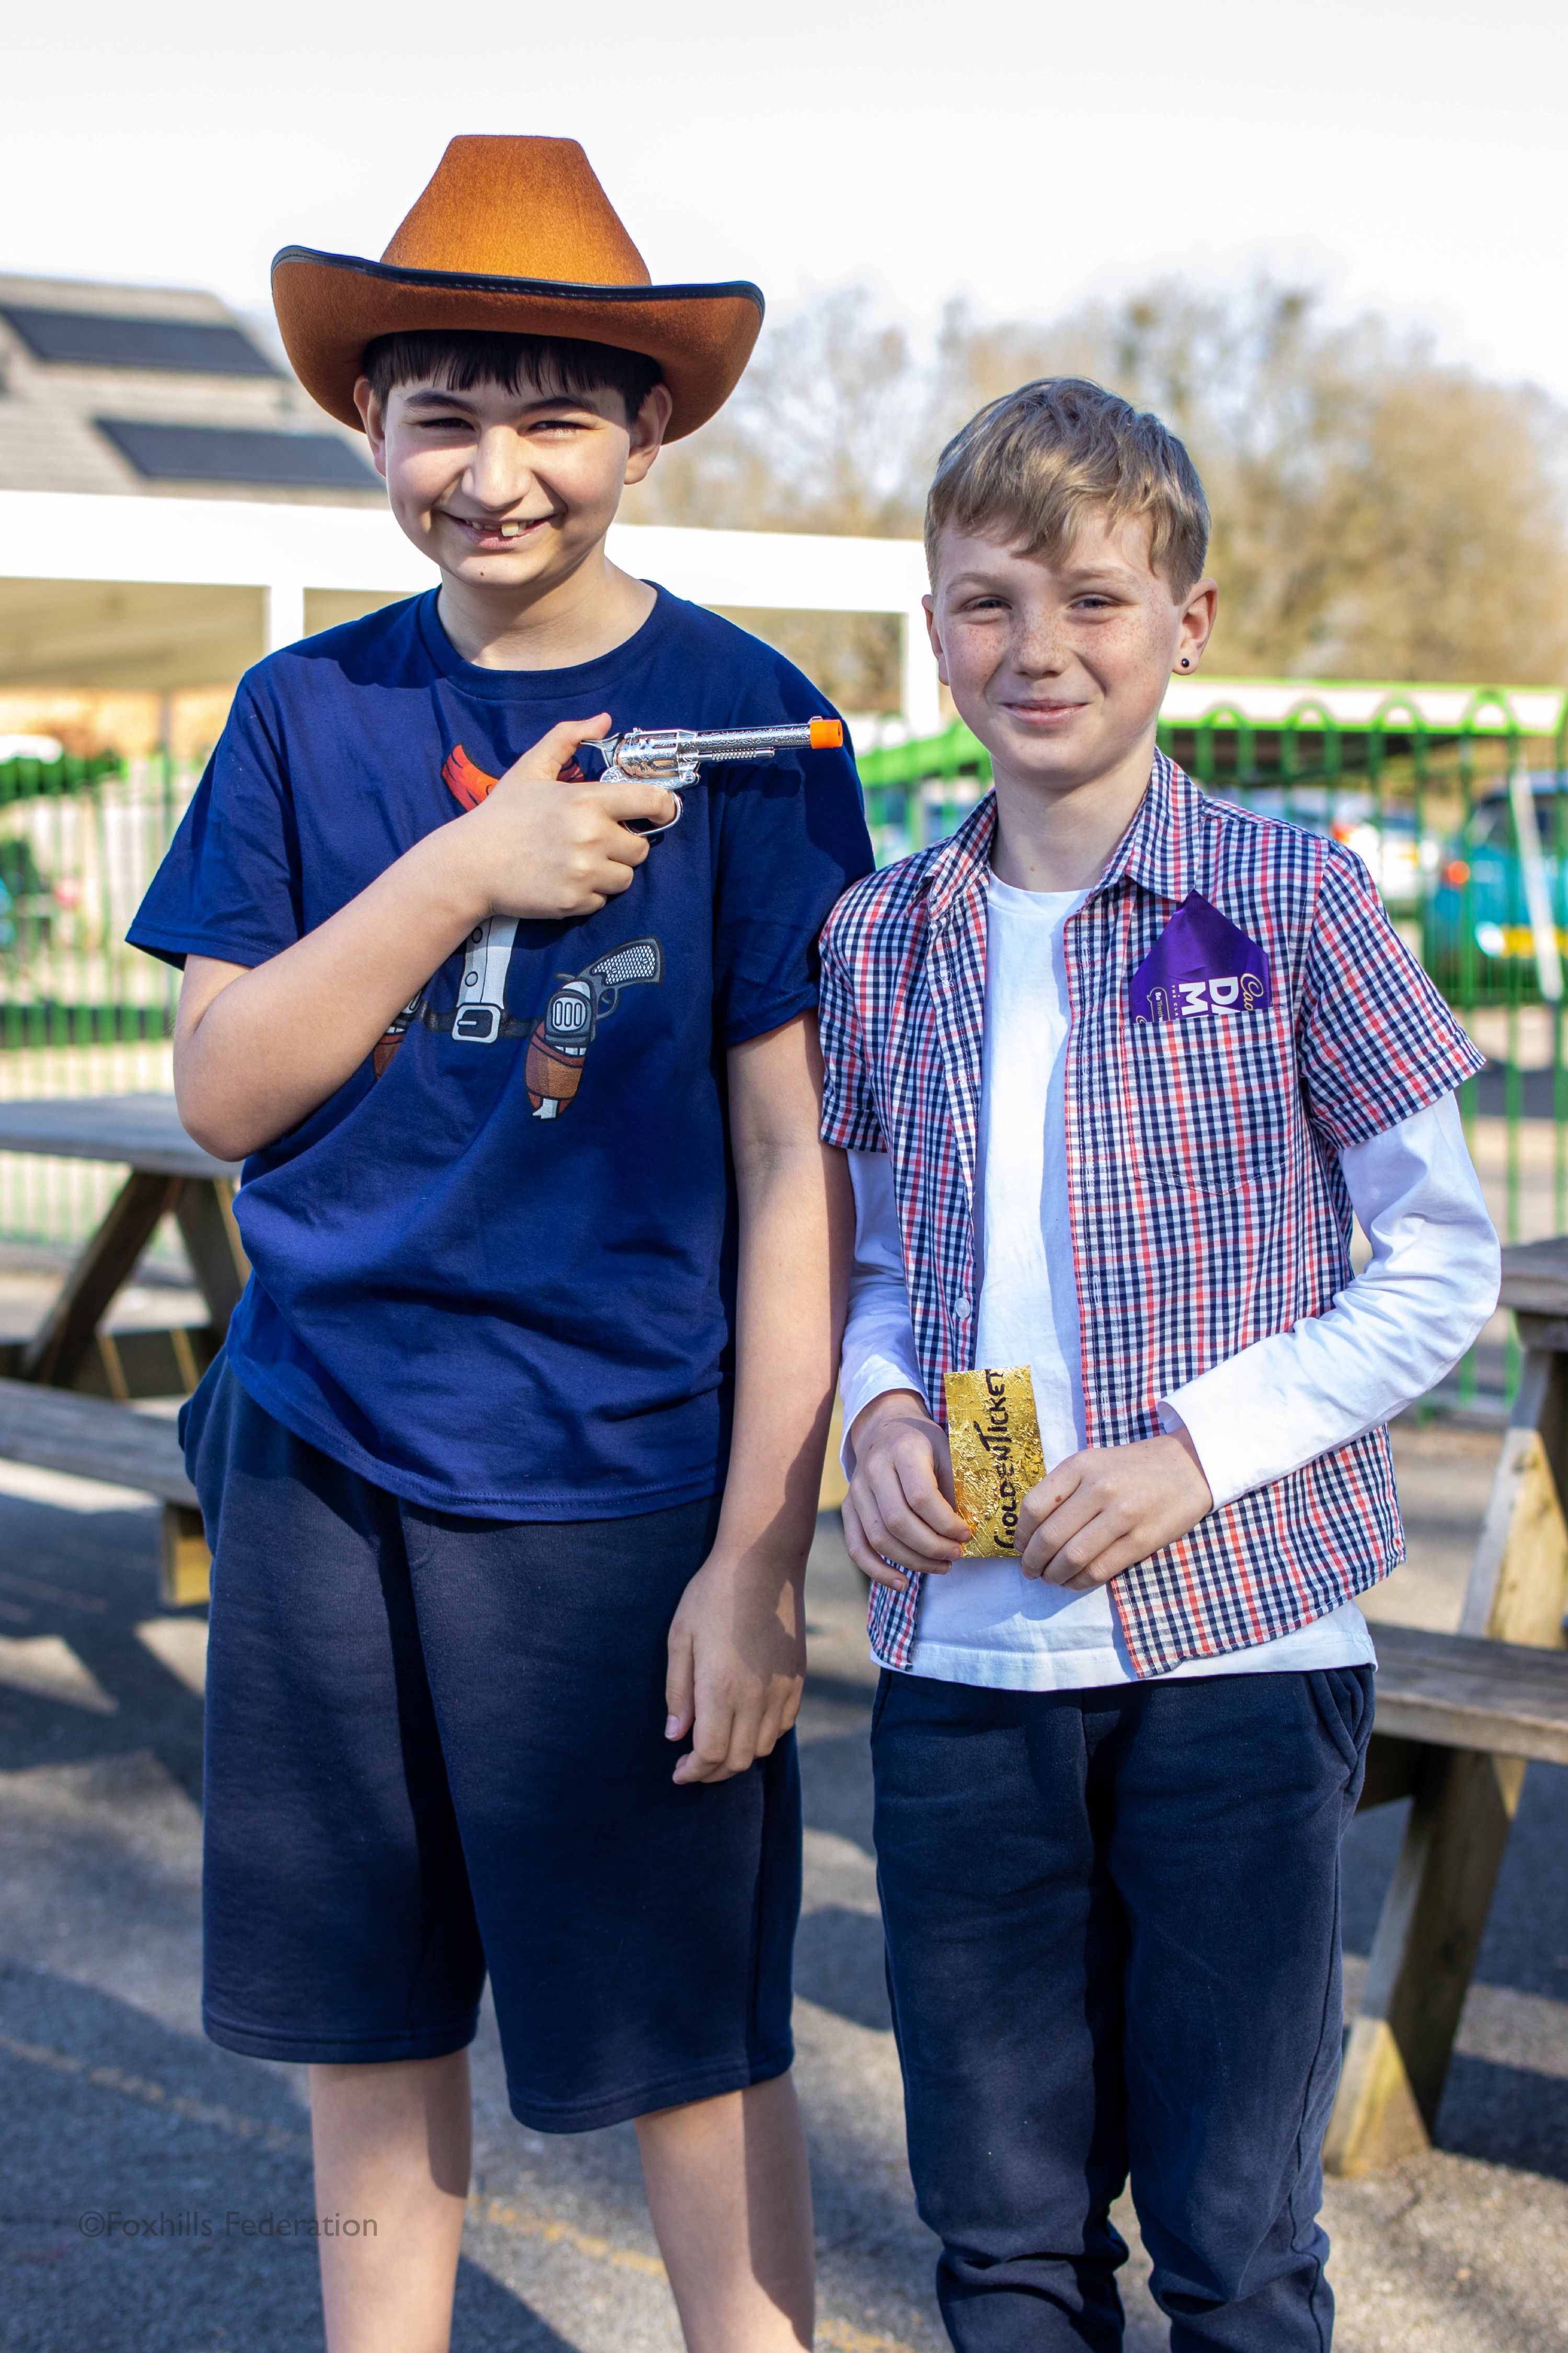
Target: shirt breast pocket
<point>1214,1102</point>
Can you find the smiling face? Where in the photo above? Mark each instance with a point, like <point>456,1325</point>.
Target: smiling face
<point>508,491</point>
<point>1059,664</point>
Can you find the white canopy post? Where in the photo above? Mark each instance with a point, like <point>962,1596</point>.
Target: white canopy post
<point>285,613</point>
<point>921,689</point>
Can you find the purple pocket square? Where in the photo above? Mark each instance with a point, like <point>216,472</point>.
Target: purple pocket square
<point>1201,963</point>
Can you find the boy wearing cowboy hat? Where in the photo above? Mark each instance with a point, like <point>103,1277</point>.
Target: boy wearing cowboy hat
<point>509,1461</point>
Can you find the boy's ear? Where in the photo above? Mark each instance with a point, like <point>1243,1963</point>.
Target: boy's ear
<point>934,634</point>
<point>1197,624</point>
<point>647,429</point>
<point>375,423</point>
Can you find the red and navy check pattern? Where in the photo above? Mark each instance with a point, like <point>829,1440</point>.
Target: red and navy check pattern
<point>1209,1208</point>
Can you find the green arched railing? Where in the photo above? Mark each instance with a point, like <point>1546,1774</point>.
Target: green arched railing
<point>1427,784</point>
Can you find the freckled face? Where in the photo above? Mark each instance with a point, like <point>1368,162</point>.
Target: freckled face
<point>1059,667</point>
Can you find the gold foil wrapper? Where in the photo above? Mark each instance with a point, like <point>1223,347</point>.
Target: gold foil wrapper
<point>995,1433</point>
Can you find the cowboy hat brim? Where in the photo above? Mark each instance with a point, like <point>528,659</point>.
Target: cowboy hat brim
<point>331,305</point>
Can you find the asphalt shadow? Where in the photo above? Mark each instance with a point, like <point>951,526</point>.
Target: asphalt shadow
<point>155,2192</point>
<point>838,1954</point>
<point>155,2189</point>
<point>86,1579</point>
<point>117,2107</point>
<point>839,1965</point>
<point>835,1786</point>
<point>1515,2116</point>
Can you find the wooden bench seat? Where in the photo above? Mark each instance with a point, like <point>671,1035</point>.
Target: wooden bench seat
<point>57,1430</point>
<point>1451,1691</point>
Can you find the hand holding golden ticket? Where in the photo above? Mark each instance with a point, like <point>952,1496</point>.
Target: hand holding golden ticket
<point>994,1434</point>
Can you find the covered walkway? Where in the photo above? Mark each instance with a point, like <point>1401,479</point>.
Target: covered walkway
<point>172,592</point>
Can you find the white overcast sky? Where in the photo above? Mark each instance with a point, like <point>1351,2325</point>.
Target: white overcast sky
<point>1024,152</point>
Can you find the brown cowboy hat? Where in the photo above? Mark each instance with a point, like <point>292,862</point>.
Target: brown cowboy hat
<point>512,237</point>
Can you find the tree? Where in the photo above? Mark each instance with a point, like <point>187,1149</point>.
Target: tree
<point>1378,511</point>
<point>824,433</point>
<point>820,436</point>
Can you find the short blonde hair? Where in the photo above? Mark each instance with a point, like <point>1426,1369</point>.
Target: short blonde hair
<point>1029,467</point>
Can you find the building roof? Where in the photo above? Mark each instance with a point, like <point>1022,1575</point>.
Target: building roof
<point>159,391</point>
<point>215,454</point>
<point>96,339</point>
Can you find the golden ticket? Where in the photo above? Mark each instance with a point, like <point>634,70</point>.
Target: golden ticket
<point>995,1433</point>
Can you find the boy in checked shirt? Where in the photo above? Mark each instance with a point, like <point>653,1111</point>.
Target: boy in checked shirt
<point>1113,1067</point>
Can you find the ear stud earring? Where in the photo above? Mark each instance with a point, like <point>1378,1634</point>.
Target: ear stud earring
<point>1186,662</point>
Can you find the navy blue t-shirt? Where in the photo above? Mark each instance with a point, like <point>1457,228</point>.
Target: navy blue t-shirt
<point>498,1278</point>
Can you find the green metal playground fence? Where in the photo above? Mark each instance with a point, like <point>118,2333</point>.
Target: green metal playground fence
<point>81,1013</point>
<point>1456,799</point>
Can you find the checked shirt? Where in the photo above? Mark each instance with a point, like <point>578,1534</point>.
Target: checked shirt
<point>1208,1206</point>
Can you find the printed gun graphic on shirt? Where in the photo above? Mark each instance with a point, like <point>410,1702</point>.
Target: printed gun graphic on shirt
<point>559,1041</point>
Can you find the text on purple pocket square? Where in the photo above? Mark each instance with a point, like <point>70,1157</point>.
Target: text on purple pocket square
<point>1201,963</point>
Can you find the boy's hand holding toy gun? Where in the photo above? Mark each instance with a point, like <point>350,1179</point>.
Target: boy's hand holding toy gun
<point>676,756</point>
<point>576,858</point>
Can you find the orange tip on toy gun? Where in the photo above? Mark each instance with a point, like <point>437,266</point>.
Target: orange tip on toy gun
<point>676,756</point>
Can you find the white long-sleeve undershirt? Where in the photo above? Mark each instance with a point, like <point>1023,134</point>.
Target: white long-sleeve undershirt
<point>1393,1332</point>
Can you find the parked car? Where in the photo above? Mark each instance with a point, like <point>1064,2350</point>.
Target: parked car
<point>1476,929</point>
<point>27,906</point>
<point>1402,861</point>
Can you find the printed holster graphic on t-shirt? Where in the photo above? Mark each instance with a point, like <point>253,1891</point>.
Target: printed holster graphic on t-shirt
<point>558,1041</point>
<point>578,1003</point>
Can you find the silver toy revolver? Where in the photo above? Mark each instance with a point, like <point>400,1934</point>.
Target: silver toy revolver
<point>675,756</point>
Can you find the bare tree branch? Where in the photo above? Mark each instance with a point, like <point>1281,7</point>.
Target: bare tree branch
<point>1378,511</point>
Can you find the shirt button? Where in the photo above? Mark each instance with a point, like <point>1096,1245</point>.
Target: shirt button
<point>961,1303</point>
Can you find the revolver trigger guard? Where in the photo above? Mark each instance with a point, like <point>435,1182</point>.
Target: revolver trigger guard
<point>615,775</point>
<point>651,832</point>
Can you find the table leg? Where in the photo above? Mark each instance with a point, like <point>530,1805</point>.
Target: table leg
<point>1518,1584</point>
<point>184,1563</point>
<point>56,1351</point>
<point>206,1214</point>
<point>1435,1914</point>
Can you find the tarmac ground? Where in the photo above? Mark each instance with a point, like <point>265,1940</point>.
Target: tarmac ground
<point>147,2178</point>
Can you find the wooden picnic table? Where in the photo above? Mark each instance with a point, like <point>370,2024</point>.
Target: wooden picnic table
<point>1459,1716</point>
<point>1459,1719</point>
<point>169,1175</point>
<point>56,1430</point>
<point>70,1352</point>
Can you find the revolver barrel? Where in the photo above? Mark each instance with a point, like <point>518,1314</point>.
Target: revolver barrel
<point>672,754</point>
<point>676,756</point>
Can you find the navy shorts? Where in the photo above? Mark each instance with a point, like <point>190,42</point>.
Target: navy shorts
<point>436,1746</point>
